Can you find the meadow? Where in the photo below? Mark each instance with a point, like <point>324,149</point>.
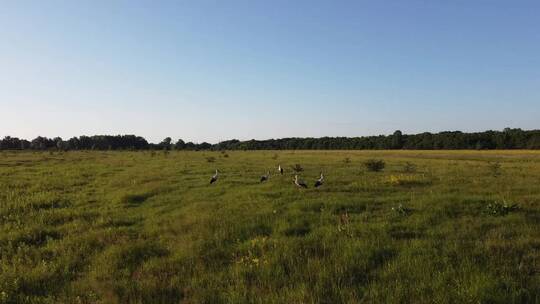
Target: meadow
<point>146,227</point>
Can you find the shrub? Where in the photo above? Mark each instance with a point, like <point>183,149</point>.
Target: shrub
<point>409,167</point>
<point>275,156</point>
<point>346,160</point>
<point>297,168</point>
<point>210,159</point>
<point>500,209</point>
<point>374,165</point>
<point>495,169</point>
<point>401,210</point>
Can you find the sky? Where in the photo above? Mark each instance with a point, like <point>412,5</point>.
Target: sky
<point>216,70</point>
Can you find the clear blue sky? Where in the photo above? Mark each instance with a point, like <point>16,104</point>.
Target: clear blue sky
<point>216,70</point>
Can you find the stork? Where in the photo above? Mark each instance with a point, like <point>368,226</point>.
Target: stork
<point>280,169</point>
<point>265,177</point>
<point>214,178</point>
<point>319,182</point>
<point>299,183</point>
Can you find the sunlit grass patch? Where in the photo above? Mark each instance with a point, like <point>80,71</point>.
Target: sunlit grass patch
<point>408,180</point>
<point>253,253</point>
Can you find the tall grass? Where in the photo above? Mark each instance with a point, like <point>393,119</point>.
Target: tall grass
<point>132,227</point>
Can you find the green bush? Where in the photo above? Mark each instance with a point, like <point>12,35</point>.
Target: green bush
<point>495,169</point>
<point>297,168</point>
<point>409,167</point>
<point>500,209</point>
<point>374,165</point>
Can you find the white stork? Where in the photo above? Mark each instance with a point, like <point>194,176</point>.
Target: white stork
<point>265,177</point>
<point>280,169</point>
<point>319,182</point>
<point>214,178</point>
<point>299,183</point>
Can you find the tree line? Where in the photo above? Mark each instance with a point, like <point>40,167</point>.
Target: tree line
<point>451,140</point>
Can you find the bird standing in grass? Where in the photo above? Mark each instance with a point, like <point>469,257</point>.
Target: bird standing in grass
<point>319,182</point>
<point>280,169</point>
<point>299,183</point>
<point>214,178</point>
<point>265,177</point>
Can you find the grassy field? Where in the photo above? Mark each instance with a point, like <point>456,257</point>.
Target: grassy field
<point>142,227</point>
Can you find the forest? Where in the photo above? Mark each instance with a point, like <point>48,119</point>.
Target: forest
<point>449,140</point>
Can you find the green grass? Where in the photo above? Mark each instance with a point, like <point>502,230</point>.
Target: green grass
<point>132,227</point>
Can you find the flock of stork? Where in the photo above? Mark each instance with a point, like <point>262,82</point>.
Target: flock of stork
<point>299,183</point>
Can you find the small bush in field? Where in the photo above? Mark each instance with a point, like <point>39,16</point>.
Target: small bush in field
<point>210,159</point>
<point>401,210</point>
<point>297,168</point>
<point>374,165</point>
<point>409,167</point>
<point>225,155</point>
<point>495,169</point>
<point>346,160</point>
<point>275,156</point>
<point>500,209</point>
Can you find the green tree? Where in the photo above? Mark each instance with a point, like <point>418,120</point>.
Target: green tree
<point>397,140</point>
<point>180,145</point>
<point>165,144</point>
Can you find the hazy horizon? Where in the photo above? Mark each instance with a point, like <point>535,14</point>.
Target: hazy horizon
<point>206,71</point>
